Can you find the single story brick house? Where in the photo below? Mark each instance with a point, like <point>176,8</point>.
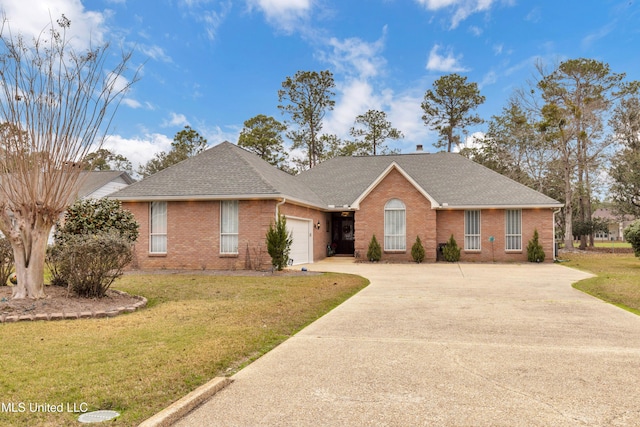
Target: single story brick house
<point>212,211</point>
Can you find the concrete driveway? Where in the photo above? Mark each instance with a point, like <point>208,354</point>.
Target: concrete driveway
<point>446,345</point>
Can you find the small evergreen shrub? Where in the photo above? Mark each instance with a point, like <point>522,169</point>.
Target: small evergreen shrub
<point>451,251</point>
<point>6,260</point>
<point>279,243</point>
<point>374,253</point>
<point>94,216</point>
<point>535,253</point>
<point>632,235</point>
<point>417,251</point>
<point>90,263</point>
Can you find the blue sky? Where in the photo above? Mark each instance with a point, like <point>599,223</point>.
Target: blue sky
<point>213,64</point>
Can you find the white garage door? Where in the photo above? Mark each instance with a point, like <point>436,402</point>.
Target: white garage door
<point>300,229</point>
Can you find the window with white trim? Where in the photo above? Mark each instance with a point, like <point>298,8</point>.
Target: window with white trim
<point>229,227</point>
<point>513,229</point>
<point>471,230</point>
<point>158,228</point>
<point>395,225</point>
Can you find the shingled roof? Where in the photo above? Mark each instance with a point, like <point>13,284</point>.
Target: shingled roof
<point>227,171</point>
<point>222,172</point>
<point>450,179</point>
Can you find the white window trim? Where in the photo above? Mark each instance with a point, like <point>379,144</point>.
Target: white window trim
<point>152,234</point>
<point>479,235</point>
<point>506,228</point>
<point>223,234</point>
<point>404,219</point>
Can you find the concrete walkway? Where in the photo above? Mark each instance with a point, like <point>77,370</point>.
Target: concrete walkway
<point>446,345</point>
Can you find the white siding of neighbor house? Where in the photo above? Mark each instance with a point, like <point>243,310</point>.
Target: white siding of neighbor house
<point>110,187</point>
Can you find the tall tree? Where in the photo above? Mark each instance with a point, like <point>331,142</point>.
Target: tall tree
<point>625,164</point>
<point>306,97</point>
<point>584,90</point>
<point>448,108</point>
<point>513,147</point>
<point>187,143</point>
<point>374,129</point>
<point>105,160</point>
<point>55,99</point>
<point>263,135</point>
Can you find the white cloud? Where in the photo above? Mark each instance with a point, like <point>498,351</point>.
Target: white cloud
<point>475,140</point>
<point>138,150</point>
<point>176,119</point>
<point>446,64</point>
<point>490,78</point>
<point>30,18</point>
<point>132,103</point>
<point>286,15</point>
<point>462,8</point>
<point>356,57</point>
<point>356,97</point>
<point>154,52</point>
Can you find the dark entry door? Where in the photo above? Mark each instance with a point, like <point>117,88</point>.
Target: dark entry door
<point>342,233</point>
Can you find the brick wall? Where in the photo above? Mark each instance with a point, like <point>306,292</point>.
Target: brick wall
<point>420,218</point>
<point>193,235</point>
<point>492,223</point>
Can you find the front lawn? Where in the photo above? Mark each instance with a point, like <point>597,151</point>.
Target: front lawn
<point>194,328</point>
<point>617,280</point>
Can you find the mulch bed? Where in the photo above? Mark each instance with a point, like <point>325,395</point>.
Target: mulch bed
<point>59,304</point>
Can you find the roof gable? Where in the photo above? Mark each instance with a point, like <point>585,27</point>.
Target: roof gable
<point>382,176</point>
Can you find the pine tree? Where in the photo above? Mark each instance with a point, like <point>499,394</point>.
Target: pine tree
<point>417,251</point>
<point>374,253</point>
<point>535,253</point>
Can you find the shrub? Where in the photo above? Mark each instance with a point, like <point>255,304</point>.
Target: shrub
<point>93,216</point>
<point>90,263</point>
<point>535,253</point>
<point>374,253</point>
<point>279,243</point>
<point>451,251</point>
<point>6,260</point>
<point>417,251</point>
<point>632,235</point>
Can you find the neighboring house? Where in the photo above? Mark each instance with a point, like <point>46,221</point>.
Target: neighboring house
<point>616,224</point>
<point>98,184</point>
<point>212,211</point>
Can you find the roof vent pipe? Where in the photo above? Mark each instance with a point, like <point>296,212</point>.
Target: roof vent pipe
<point>419,148</point>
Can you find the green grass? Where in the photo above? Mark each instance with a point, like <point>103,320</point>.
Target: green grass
<point>617,278</point>
<point>194,328</point>
<point>612,244</point>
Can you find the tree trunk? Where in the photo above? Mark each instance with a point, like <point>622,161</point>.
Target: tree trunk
<point>568,214</point>
<point>29,262</point>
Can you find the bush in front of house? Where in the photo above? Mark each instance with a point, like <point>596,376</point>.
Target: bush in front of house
<point>90,263</point>
<point>6,260</point>
<point>374,252</point>
<point>417,251</point>
<point>632,235</point>
<point>451,251</point>
<point>93,216</point>
<point>279,243</point>
<point>76,254</point>
<point>535,253</point>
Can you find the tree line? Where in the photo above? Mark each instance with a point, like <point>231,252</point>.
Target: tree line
<point>559,134</point>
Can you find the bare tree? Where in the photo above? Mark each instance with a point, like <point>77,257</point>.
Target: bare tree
<point>54,102</point>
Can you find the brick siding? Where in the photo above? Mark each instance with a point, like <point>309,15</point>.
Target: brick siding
<point>193,235</point>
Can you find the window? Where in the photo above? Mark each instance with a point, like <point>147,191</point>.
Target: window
<point>229,227</point>
<point>471,230</point>
<point>395,226</point>
<point>513,229</point>
<point>158,228</point>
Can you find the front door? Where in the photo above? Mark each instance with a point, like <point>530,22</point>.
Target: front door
<point>342,233</point>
